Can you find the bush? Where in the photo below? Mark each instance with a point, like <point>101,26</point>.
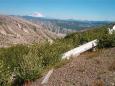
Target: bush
<point>11,59</point>
<point>106,41</point>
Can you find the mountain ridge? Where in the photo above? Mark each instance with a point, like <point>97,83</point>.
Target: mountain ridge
<point>15,30</point>
<point>65,25</point>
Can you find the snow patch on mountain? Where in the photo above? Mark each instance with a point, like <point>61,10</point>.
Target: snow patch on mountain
<point>37,14</point>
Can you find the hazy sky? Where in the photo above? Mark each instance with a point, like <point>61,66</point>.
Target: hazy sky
<point>71,9</point>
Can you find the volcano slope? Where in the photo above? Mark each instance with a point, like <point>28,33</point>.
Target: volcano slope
<point>14,30</point>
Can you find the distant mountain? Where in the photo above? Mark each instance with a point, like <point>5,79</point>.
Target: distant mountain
<point>14,30</point>
<point>65,26</point>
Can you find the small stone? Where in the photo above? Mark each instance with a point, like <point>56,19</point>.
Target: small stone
<point>113,84</point>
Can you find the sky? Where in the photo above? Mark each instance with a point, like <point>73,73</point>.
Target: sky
<point>61,9</point>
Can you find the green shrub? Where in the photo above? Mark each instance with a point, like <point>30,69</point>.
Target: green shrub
<point>106,41</point>
<point>11,59</point>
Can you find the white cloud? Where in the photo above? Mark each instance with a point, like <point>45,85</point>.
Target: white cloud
<point>37,14</point>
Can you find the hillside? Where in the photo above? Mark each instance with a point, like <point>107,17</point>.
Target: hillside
<point>89,69</point>
<point>14,30</point>
<point>20,63</point>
